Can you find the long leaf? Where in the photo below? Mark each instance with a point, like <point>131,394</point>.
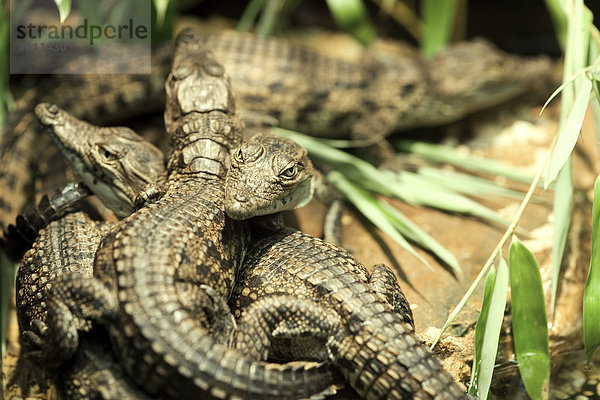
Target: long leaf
<point>250,14</point>
<point>352,16</point>
<point>569,132</point>
<point>446,154</point>
<point>410,187</point>
<point>591,294</point>
<point>411,231</point>
<point>406,185</point>
<point>64,9</point>
<point>559,19</point>
<point>561,88</point>
<point>161,10</point>
<point>530,329</point>
<point>438,18</point>
<point>493,325</point>
<point>369,207</point>
<point>7,278</point>
<point>595,103</point>
<point>466,184</point>
<point>488,289</point>
<point>562,209</point>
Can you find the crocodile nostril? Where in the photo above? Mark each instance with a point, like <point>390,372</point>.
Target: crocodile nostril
<point>241,198</point>
<point>52,108</point>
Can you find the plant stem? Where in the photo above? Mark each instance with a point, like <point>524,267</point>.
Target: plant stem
<point>508,233</point>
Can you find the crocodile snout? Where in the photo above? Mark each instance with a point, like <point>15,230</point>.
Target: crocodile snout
<point>47,113</point>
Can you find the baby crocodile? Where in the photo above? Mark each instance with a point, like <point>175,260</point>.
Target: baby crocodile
<point>296,88</point>
<point>163,274</point>
<point>114,163</point>
<point>118,164</point>
<point>374,346</point>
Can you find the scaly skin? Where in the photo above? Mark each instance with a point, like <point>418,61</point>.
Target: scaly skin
<point>326,97</point>
<point>164,270</point>
<point>114,163</point>
<point>374,346</point>
<point>21,235</point>
<point>97,98</point>
<point>66,246</point>
<point>294,88</point>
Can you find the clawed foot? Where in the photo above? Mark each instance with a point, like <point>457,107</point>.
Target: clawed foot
<point>35,338</point>
<point>221,320</point>
<point>149,194</point>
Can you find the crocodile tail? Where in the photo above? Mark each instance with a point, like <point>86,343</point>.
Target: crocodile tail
<point>384,358</point>
<point>21,235</point>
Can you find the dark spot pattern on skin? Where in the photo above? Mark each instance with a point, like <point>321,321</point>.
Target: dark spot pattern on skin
<point>363,84</point>
<point>305,111</point>
<point>322,95</point>
<point>276,87</point>
<point>275,113</point>
<point>104,87</point>
<point>251,98</point>
<point>407,89</point>
<point>369,105</point>
<point>10,181</point>
<point>341,119</point>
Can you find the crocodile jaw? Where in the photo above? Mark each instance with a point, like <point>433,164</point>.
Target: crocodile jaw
<point>109,192</point>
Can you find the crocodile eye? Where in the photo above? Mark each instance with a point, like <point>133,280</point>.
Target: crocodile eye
<point>107,154</point>
<point>290,172</point>
<point>239,155</point>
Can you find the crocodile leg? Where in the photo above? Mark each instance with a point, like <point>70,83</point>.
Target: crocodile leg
<point>375,348</point>
<point>273,319</point>
<point>385,283</point>
<point>64,252</point>
<point>184,236</point>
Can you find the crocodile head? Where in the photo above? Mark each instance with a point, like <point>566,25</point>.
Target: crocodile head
<point>114,163</point>
<point>268,174</point>
<point>460,79</point>
<point>476,74</point>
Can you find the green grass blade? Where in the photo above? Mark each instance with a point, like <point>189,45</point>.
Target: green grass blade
<point>161,10</point>
<point>438,21</point>
<point>446,154</point>
<point>411,231</point>
<point>7,278</point>
<point>559,19</point>
<point>562,87</point>
<point>569,132</point>
<point>497,251</point>
<point>490,328</point>
<point>249,15</point>
<point>591,294</point>
<point>562,208</point>
<point>270,16</point>
<point>406,185</point>
<point>352,17</point>
<point>64,9</point>
<point>466,184</point>
<point>369,207</point>
<point>410,187</point>
<point>595,73</point>
<point>530,329</point>
<point>488,289</point>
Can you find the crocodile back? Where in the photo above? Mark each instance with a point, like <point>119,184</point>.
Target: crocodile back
<point>376,350</point>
